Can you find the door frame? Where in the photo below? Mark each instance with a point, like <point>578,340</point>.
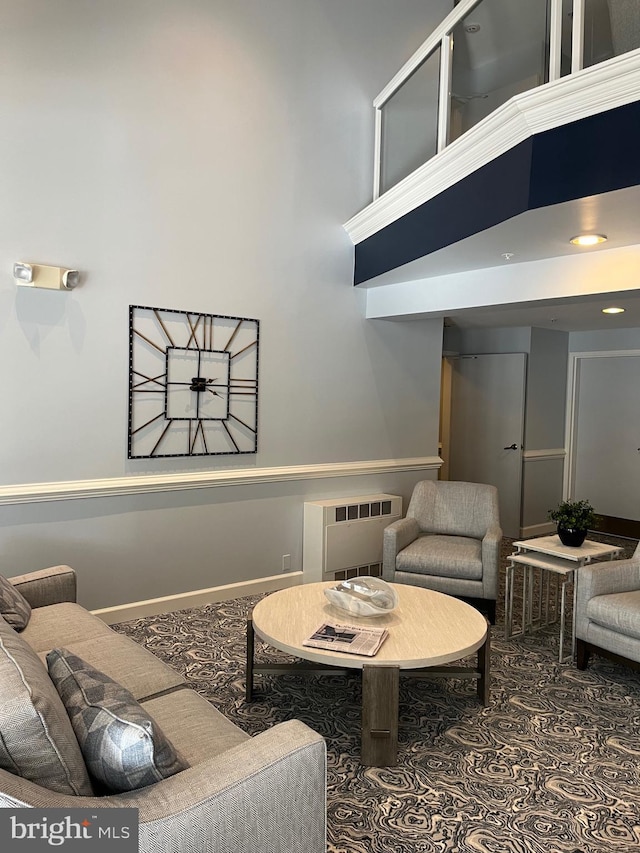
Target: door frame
<point>573,399</point>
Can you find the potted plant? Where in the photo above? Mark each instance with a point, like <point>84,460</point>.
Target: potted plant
<point>573,518</point>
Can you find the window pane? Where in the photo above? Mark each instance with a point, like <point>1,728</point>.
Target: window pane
<point>499,50</point>
<point>567,36</point>
<point>410,124</point>
<point>611,27</point>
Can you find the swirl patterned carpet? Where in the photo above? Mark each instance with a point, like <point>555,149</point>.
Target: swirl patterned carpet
<point>551,766</point>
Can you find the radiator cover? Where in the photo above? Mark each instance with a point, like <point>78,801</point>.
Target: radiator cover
<point>343,536</point>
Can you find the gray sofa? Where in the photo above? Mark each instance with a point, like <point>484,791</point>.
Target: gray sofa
<point>241,794</point>
<point>608,611</point>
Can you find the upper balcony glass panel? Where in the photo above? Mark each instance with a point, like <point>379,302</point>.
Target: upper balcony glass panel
<point>410,123</point>
<point>484,53</point>
<point>611,27</point>
<point>499,50</point>
<point>566,37</point>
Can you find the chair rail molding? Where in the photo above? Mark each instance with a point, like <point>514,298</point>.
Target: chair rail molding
<point>546,453</point>
<point>147,484</point>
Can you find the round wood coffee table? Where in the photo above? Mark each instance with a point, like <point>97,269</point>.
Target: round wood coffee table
<point>426,630</point>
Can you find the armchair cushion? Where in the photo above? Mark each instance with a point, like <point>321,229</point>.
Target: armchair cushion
<point>619,612</point>
<point>37,740</point>
<point>443,556</point>
<point>123,748</point>
<point>14,607</point>
<point>453,508</point>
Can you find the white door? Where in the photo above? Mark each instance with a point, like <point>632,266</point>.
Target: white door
<point>487,427</point>
<point>606,434</point>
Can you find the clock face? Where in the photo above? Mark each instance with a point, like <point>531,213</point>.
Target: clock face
<point>193,383</point>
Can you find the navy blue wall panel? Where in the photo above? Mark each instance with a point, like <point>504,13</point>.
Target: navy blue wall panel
<point>594,155</point>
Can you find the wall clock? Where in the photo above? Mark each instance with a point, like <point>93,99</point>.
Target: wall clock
<point>193,383</point>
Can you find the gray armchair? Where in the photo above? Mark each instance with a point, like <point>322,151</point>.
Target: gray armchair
<point>608,611</point>
<point>449,541</point>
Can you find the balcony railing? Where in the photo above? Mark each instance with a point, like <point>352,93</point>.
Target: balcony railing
<point>484,53</point>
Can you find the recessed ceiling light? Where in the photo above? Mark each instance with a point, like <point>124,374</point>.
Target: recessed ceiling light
<point>588,239</point>
<point>613,310</point>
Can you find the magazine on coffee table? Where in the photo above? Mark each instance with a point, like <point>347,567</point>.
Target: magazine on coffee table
<point>354,639</point>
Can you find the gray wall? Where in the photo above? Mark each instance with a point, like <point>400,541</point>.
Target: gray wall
<point>544,424</point>
<point>604,339</point>
<point>544,409</point>
<point>196,155</point>
<point>482,340</point>
<point>546,389</point>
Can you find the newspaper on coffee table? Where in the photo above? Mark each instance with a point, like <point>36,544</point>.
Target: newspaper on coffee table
<point>353,639</point>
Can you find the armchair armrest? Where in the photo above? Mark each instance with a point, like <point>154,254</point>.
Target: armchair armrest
<point>490,560</point>
<point>397,536</point>
<point>608,577</point>
<point>47,586</point>
<point>604,579</point>
<point>267,794</point>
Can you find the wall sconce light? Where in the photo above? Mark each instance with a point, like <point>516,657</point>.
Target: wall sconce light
<point>70,279</point>
<point>50,278</point>
<point>23,273</point>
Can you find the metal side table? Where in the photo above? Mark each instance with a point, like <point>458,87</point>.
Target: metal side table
<point>551,557</point>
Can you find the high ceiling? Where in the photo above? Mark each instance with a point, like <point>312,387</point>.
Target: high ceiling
<point>578,314</point>
<point>534,235</point>
<point>542,233</point>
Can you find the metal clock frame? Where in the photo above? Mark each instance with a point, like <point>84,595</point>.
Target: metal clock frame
<point>169,334</point>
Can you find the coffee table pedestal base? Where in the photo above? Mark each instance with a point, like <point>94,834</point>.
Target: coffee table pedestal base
<point>380,693</point>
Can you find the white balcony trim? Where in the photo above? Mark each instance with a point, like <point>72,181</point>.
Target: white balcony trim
<point>150,483</point>
<point>377,150</point>
<point>577,36</point>
<point>427,47</point>
<point>444,91</point>
<point>588,92</point>
<point>555,40</point>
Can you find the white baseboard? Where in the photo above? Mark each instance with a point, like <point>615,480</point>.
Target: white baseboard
<point>543,529</point>
<point>197,598</point>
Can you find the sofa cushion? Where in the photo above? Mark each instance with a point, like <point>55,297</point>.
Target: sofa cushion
<point>36,737</point>
<point>14,607</point>
<point>88,637</point>
<point>123,748</point>
<point>196,729</point>
<point>65,623</point>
